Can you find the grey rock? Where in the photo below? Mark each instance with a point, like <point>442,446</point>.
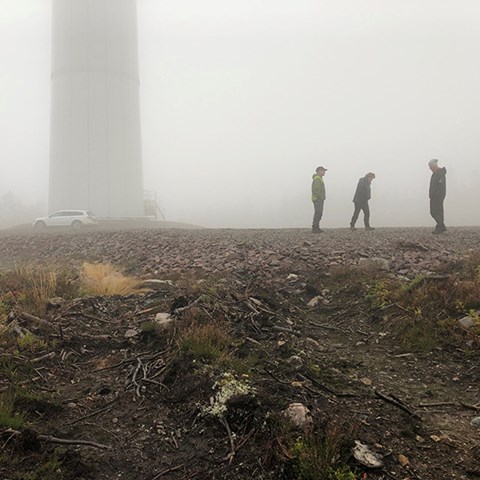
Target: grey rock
<point>156,284</point>
<point>295,361</point>
<point>468,322</point>
<point>379,262</point>
<point>54,302</point>
<point>475,422</point>
<point>310,342</point>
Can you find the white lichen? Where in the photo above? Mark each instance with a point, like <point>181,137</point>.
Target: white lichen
<point>227,387</point>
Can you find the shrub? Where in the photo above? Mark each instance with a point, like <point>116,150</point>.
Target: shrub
<point>319,454</point>
<point>105,279</point>
<point>422,312</point>
<point>208,341</point>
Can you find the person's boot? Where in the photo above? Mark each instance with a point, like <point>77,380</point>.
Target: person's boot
<point>368,227</point>
<point>352,227</point>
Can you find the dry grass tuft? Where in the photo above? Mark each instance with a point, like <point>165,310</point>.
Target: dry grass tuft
<point>37,286</point>
<point>105,279</point>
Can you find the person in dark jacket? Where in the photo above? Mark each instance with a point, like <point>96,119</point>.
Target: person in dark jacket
<point>318,198</point>
<point>437,193</point>
<point>360,200</point>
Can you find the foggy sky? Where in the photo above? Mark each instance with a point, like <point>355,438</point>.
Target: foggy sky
<point>242,99</point>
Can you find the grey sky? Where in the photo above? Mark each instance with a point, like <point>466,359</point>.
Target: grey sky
<point>242,99</point>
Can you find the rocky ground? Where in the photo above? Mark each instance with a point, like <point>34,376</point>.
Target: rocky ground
<point>193,377</point>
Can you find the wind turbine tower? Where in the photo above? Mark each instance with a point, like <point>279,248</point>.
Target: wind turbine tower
<point>95,144</point>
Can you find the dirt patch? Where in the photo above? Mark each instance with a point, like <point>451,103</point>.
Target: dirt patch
<point>253,321</point>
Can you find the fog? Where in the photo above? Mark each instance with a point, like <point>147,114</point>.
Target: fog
<point>241,100</point>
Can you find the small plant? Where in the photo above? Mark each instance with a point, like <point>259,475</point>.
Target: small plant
<point>378,295</point>
<point>208,342</point>
<point>355,278</point>
<point>8,417</point>
<point>53,468</point>
<point>413,284</point>
<point>105,279</point>
<point>29,286</point>
<point>31,343</point>
<point>322,455</point>
<point>345,473</point>
<point>241,366</point>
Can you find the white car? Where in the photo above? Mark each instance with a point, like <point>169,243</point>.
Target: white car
<point>66,218</point>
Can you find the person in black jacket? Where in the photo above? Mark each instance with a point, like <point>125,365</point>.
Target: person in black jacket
<point>360,200</point>
<point>437,193</point>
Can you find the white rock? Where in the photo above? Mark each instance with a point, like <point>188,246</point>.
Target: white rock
<point>468,322</point>
<point>315,301</point>
<point>299,415</point>
<point>365,456</point>
<point>164,320</point>
<point>310,342</point>
<point>131,333</point>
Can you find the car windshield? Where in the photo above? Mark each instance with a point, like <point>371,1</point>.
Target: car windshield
<point>90,214</point>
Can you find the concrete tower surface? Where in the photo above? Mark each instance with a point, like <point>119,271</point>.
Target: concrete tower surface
<point>95,144</point>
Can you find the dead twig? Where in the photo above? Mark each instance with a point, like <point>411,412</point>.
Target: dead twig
<point>438,404</point>
<point>96,412</point>
<point>168,470</point>
<point>62,441</point>
<point>470,407</point>
<point>275,378</point>
<point>37,321</point>
<point>44,357</point>
<point>397,403</point>
<point>324,387</point>
<point>230,437</point>
<point>326,327</point>
<point>134,377</point>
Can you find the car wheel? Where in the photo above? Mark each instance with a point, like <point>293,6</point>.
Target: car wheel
<point>77,224</point>
<point>40,225</point>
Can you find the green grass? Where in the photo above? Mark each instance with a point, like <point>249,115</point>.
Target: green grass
<point>208,342</point>
<point>8,417</point>
<point>320,452</point>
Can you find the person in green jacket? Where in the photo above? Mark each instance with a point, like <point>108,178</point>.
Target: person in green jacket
<point>318,198</point>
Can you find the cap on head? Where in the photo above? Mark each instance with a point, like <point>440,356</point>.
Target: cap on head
<point>433,163</point>
<point>370,175</point>
<point>320,169</point>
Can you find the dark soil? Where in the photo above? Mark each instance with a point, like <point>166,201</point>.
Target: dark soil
<point>140,399</point>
